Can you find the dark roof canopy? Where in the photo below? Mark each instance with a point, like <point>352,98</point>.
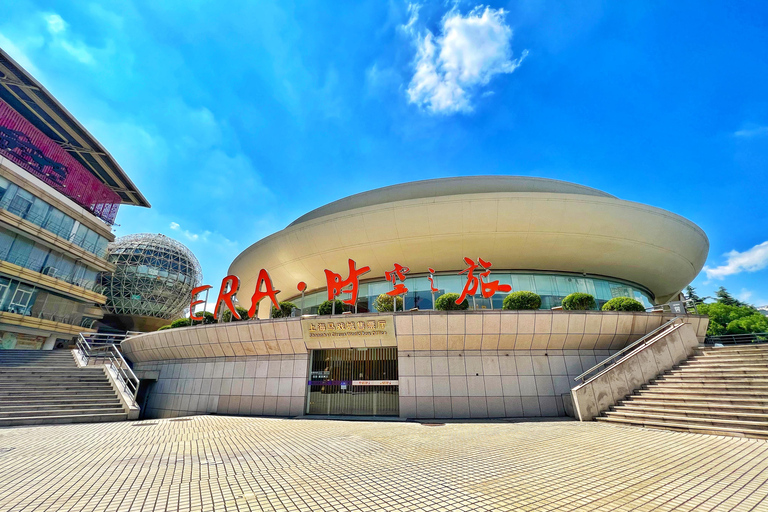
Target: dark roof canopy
<point>38,106</point>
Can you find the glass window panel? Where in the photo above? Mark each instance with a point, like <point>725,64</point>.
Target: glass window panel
<point>545,285</point>
<point>6,241</point>
<point>38,211</point>
<point>37,257</point>
<point>20,251</point>
<point>522,282</point>
<point>4,184</point>
<point>21,203</point>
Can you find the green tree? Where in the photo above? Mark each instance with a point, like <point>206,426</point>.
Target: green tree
<point>748,324</point>
<point>691,295</point>
<point>521,300</point>
<point>226,316</point>
<point>721,315</point>
<point>285,310</point>
<point>579,302</point>
<point>447,302</point>
<point>383,303</point>
<point>724,297</point>
<point>326,308</point>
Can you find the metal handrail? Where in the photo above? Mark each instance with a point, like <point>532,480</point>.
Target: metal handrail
<point>737,339</point>
<point>99,347</point>
<point>645,340</point>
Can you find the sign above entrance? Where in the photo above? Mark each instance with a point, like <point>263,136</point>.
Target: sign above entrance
<point>359,327</point>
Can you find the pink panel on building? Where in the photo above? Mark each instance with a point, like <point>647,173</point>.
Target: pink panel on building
<point>30,149</point>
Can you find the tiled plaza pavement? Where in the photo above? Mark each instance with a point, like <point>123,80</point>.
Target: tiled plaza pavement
<point>239,464</point>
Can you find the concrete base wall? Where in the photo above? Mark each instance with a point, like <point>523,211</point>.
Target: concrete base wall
<point>247,386</point>
<point>489,383</point>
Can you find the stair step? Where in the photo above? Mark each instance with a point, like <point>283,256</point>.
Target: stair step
<point>702,413</point>
<point>750,386</point>
<point>704,392</point>
<point>692,405</point>
<point>702,398</point>
<point>69,418</point>
<point>88,386</point>
<point>67,411</point>
<point>21,395</point>
<point>752,424</point>
<point>60,406</point>
<point>751,363</point>
<point>56,402</point>
<point>703,429</point>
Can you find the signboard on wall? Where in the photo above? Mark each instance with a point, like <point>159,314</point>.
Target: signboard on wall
<point>358,327</point>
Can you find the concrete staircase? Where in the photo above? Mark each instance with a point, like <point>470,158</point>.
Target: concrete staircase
<point>46,386</point>
<point>722,390</point>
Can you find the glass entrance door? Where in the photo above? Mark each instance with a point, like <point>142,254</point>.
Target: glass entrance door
<point>353,381</point>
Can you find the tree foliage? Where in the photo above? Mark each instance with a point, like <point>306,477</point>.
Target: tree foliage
<point>447,302</point>
<point>723,318</point>
<point>326,308</point>
<point>692,295</point>
<point>226,316</point>
<point>522,300</point>
<point>285,310</point>
<point>724,297</point>
<point>623,304</point>
<point>579,302</point>
<point>384,303</point>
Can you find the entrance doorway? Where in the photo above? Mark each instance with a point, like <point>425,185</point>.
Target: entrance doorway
<point>353,381</point>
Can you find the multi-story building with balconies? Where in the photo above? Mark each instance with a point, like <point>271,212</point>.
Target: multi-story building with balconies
<point>59,194</point>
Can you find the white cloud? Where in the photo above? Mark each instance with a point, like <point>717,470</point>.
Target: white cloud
<point>203,236</point>
<point>57,27</point>
<point>175,225</point>
<point>56,23</point>
<point>751,132</point>
<point>751,260</point>
<point>744,295</point>
<point>451,68</point>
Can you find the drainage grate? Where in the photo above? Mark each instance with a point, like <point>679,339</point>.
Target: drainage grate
<point>182,419</point>
<point>143,424</point>
<point>433,424</point>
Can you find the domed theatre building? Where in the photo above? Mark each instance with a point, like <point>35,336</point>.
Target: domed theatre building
<point>480,236</point>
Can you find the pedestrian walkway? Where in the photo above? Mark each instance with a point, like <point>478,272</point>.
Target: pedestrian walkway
<point>241,464</point>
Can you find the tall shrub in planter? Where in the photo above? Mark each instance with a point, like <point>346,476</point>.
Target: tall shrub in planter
<point>521,300</point>
<point>326,308</point>
<point>623,304</point>
<point>285,310</point>
<point>579,302</point>
<point>226,316</point>
<point>383,303</point>
<point>447,302</point>
<point>181,322</point>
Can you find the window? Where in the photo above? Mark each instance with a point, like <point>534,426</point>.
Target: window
<point>21,203</point>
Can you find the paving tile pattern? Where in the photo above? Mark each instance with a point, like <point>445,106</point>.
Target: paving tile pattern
<point>249,464</point>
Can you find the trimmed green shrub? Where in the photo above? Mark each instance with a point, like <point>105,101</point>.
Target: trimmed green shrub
<point>579,302</point>
<point>226,316</point>
<point>181,322</point>
<point>326,308</point>
<point>284,311</point>
<point>208,318</point>
<point>384,303</point>
<point>164,327</point>
<point>521,300</point>
<point>623,304</point>
<point>748,324</point>
<point>447,302</point>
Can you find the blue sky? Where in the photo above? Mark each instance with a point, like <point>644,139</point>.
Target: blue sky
<point>236,118</point>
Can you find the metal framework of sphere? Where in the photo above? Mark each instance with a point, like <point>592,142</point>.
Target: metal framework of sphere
<point>154,276</point>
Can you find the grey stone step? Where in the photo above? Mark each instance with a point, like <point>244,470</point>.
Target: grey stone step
<point>727,385</point>
<point>60,401</point>
<point>700,413</point>
<point>703,397</point>
<point>93,386</point>
<point>694,420</point>
<point>61,406</point>
<point>66,411</point>
<point>694,405</point>
<point>8,395</point>
<point>685,427</point>
<point>736,349</point>
<point>669,390</point>
<point>726,366</point>
<point>706,358</point>
<point>67,418</point>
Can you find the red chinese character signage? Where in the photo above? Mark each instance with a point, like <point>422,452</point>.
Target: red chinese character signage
<point>398,274</point>
<point>478,278</point>
<point>487,288</point>
<point>336,285</point>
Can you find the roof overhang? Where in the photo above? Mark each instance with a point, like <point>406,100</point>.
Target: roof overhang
<point>38,106</point>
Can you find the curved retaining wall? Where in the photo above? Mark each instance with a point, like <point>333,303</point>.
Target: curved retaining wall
<point>458,364</point>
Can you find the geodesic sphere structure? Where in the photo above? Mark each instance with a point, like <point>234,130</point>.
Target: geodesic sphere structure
<point>154,276</point>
